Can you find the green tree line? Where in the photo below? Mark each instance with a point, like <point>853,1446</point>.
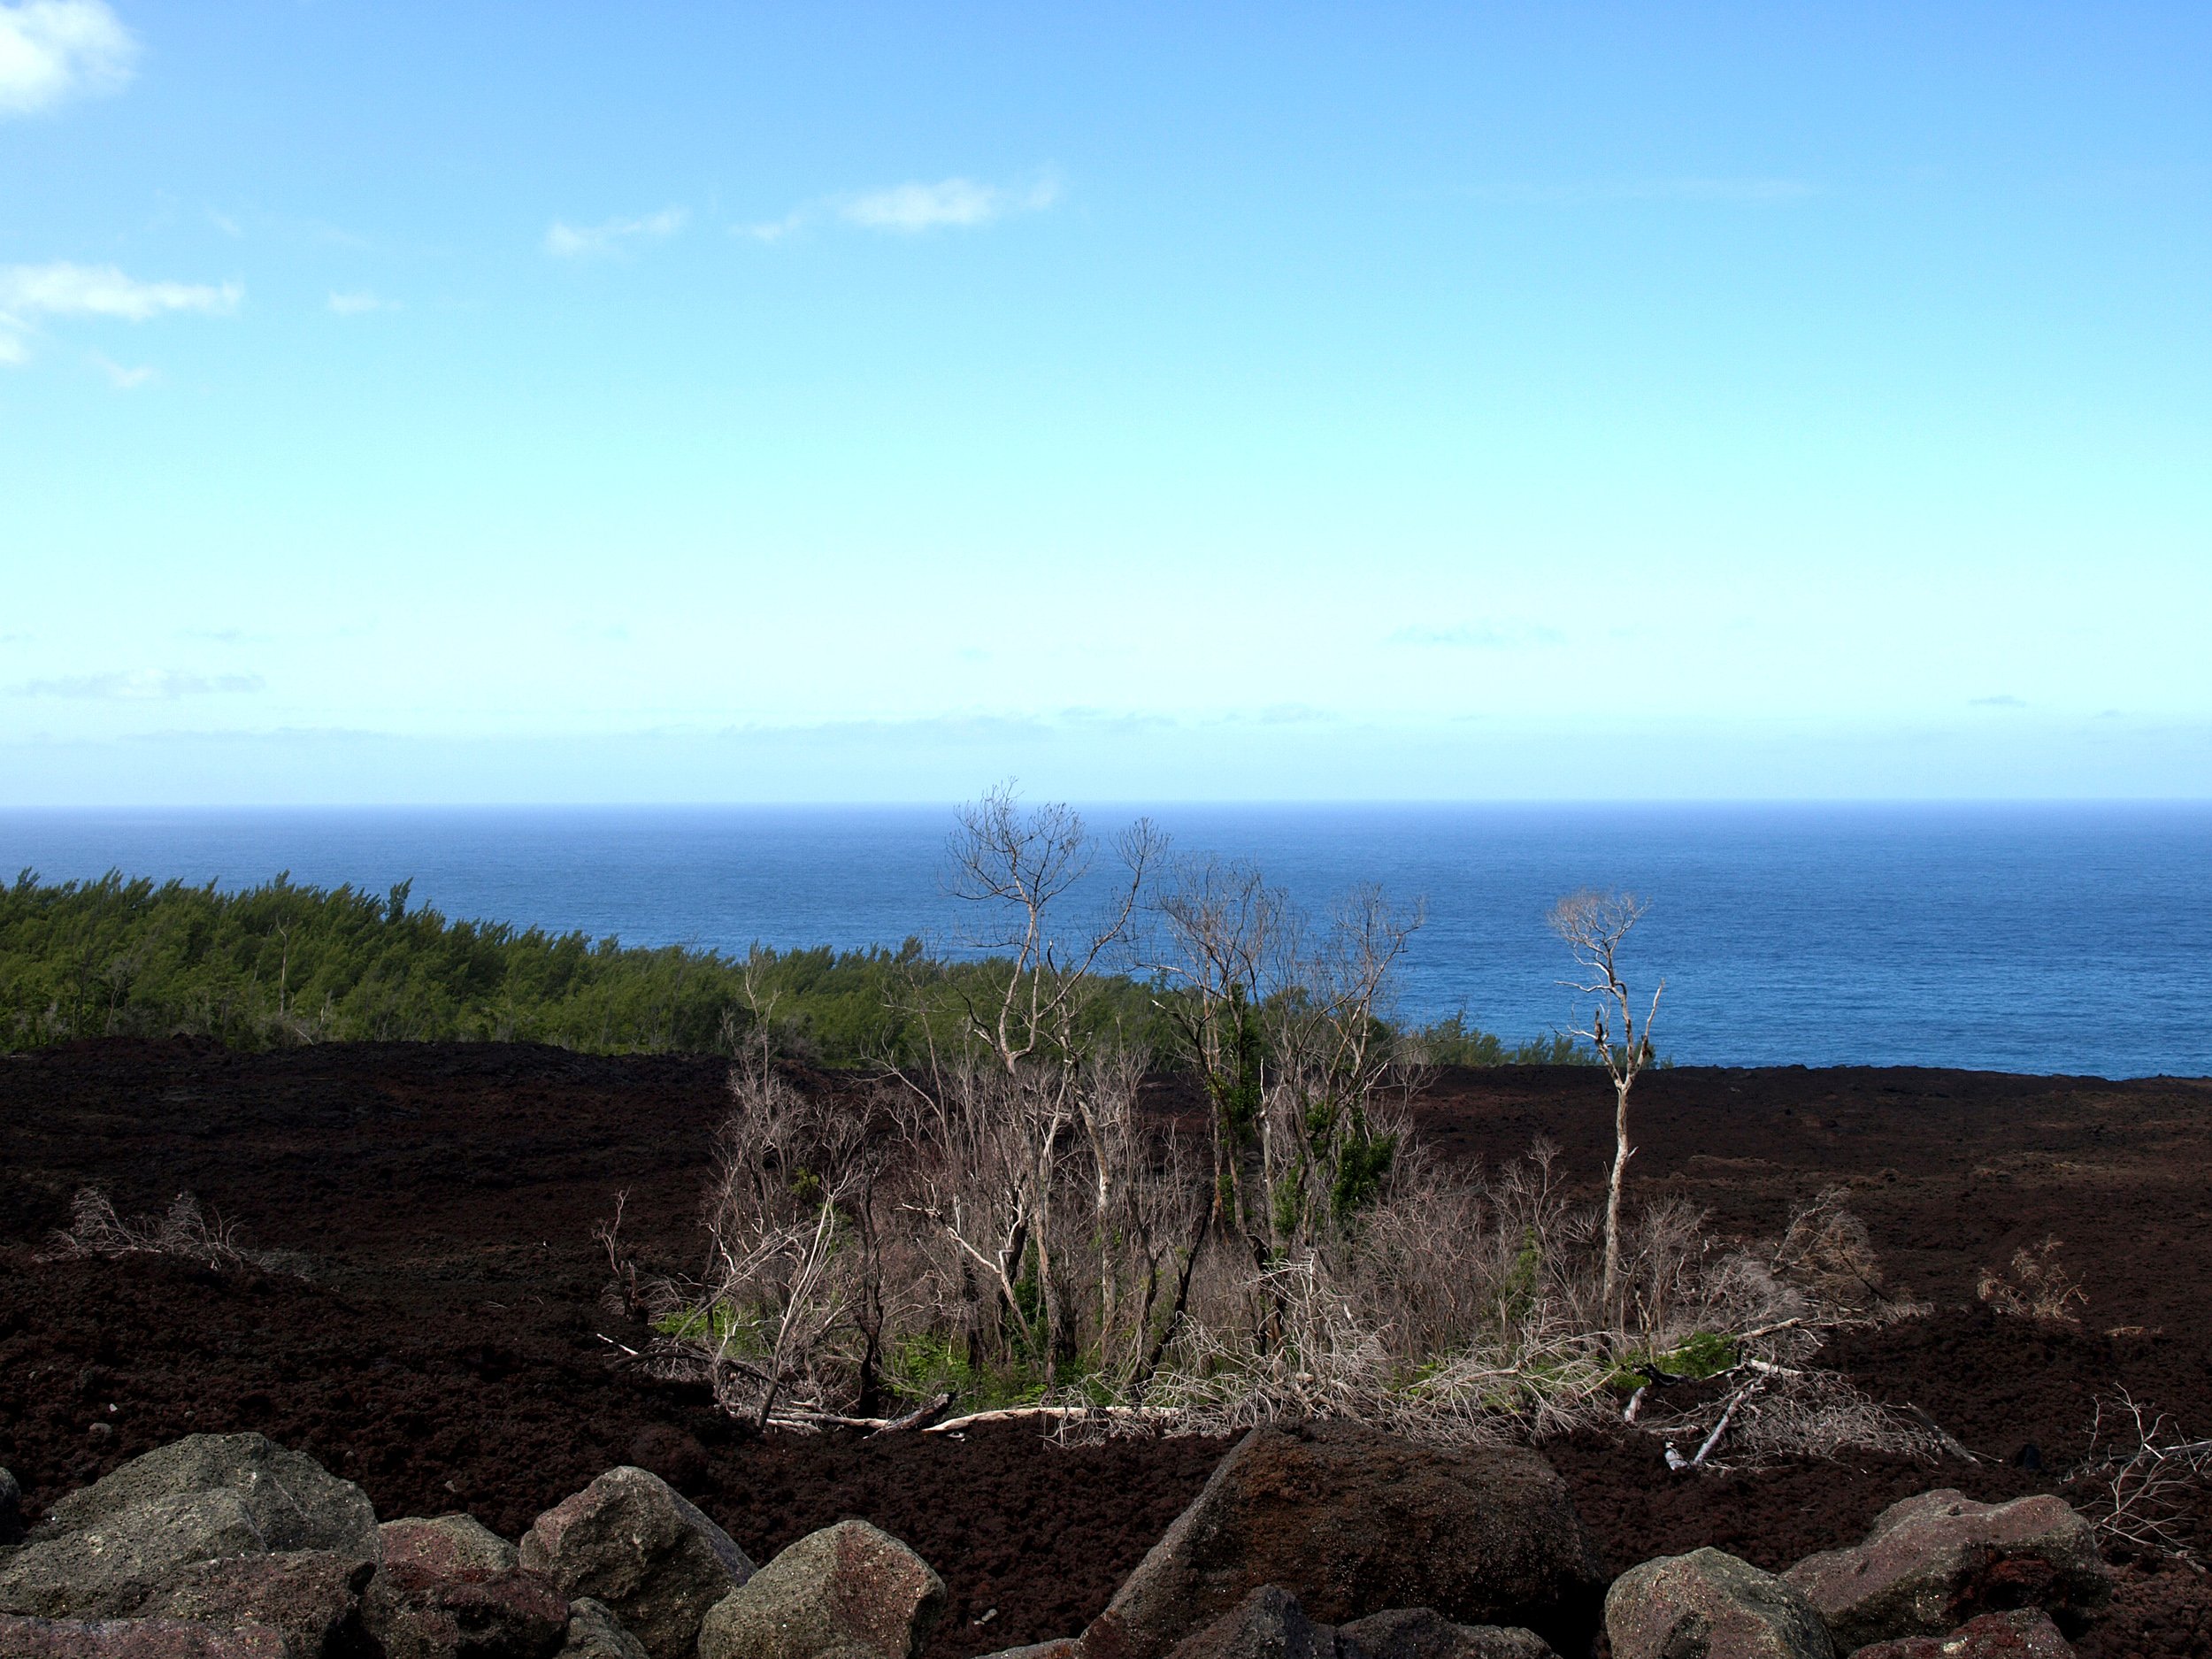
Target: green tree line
<point>282,964</point>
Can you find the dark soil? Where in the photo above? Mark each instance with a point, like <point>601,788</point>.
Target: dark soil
<point>448,1352</point>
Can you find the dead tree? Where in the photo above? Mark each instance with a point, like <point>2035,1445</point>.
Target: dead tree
<point>1018,867</point>
<point>1594,924</point>
<point>1231,941</point>
<point>1015,867</point>
<point>1283,1025</point>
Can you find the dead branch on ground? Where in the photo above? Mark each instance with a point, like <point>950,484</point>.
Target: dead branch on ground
<point>186,1232</point>
<point>2142,1477</point>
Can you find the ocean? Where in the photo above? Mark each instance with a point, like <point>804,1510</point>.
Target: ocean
<point>2023,938</point>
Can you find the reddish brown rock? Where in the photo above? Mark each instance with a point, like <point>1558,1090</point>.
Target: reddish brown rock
<point>1353,1521</point>
<point>1710,1605</point>
<point>1421,1632</point>
<point>595,1634</point>
<point>2023,1633</point>
<point>311,1597</point>
<point>457,1546</point>
<point>630,1541</point>
<point>1268,1624</point>
<point>849,1590</point>
<point>1934,1563</point>
<point>134,1639</point>
<point>449,1589</point>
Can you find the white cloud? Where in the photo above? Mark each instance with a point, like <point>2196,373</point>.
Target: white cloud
<point>12,349</point>
<point>62,289</point>
<point>121,379</point>
<point>774,229</point>
<point>910,208</point>
<point>52,50</point>
<point>572,241</point>
<point>144,685</point>
<point>359,301</point>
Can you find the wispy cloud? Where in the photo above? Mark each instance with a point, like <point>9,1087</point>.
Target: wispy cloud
<point>52,51</point>
<point>1478,636</point>
<point>121,379</point>
<point>1745,192</point>
<point>2003,700</point>
<point>961,203</point>
<point>910,209</point>
<point>143,685</point>
<point>11,348</point>
<point>563,241</point>
<point>773,230</point>
<point>359,303</point>
<point>62,289</point>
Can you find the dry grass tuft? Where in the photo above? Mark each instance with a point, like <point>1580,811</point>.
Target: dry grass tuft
<point>2038,1288</point>
<point>186,1232</point>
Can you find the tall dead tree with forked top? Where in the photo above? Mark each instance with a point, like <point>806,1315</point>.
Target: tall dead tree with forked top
<point>1594,924</point>
<point>1026,1083</point>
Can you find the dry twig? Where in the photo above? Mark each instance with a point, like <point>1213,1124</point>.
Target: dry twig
<point>2143,1475</point>
<point>186,1232</point>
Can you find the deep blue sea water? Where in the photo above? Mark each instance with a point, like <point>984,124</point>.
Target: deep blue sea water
<point>2044,938</point>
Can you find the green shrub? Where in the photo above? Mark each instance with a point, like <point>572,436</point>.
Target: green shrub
<point>281,964</point>
<point>1452,1040</point>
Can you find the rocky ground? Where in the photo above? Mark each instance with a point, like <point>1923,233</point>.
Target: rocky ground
<point>447,1354</point>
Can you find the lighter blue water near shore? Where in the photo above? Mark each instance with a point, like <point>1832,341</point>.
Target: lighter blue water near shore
<point>2074,939</point>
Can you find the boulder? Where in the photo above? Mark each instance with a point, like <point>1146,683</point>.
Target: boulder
<point>1058,1647</point>
<point>11,1510</point>
<point>1933,1562</point>
<point>310,1597</point>
<point>629,1542</point>
<point>1421,1632</point>
<point>106,1551</point>
<point>1268,1624</point>
<point>1710,1605</point>
<point>290,1498</point>
<point>457,1546</point>
<point>114,1565</point>
<point>847,1591</point>
<point>2023,1633</point>
<point>134,1639</point>
<point>1353,1521</point>
<point>449,1589</point>
<point>595,1634</point>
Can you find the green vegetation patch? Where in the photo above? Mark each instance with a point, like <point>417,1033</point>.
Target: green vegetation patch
<point>282,964</point>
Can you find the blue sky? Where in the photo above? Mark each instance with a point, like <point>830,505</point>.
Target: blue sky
<point>411,402</point>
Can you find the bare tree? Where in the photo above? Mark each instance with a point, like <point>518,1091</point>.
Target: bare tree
<point>1015,866</point>
<point>792,1173</point>
<point>1284,1024</point>
<point>1593,925</point>
<point>1231,943</point>
<point>1023,1083</point>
